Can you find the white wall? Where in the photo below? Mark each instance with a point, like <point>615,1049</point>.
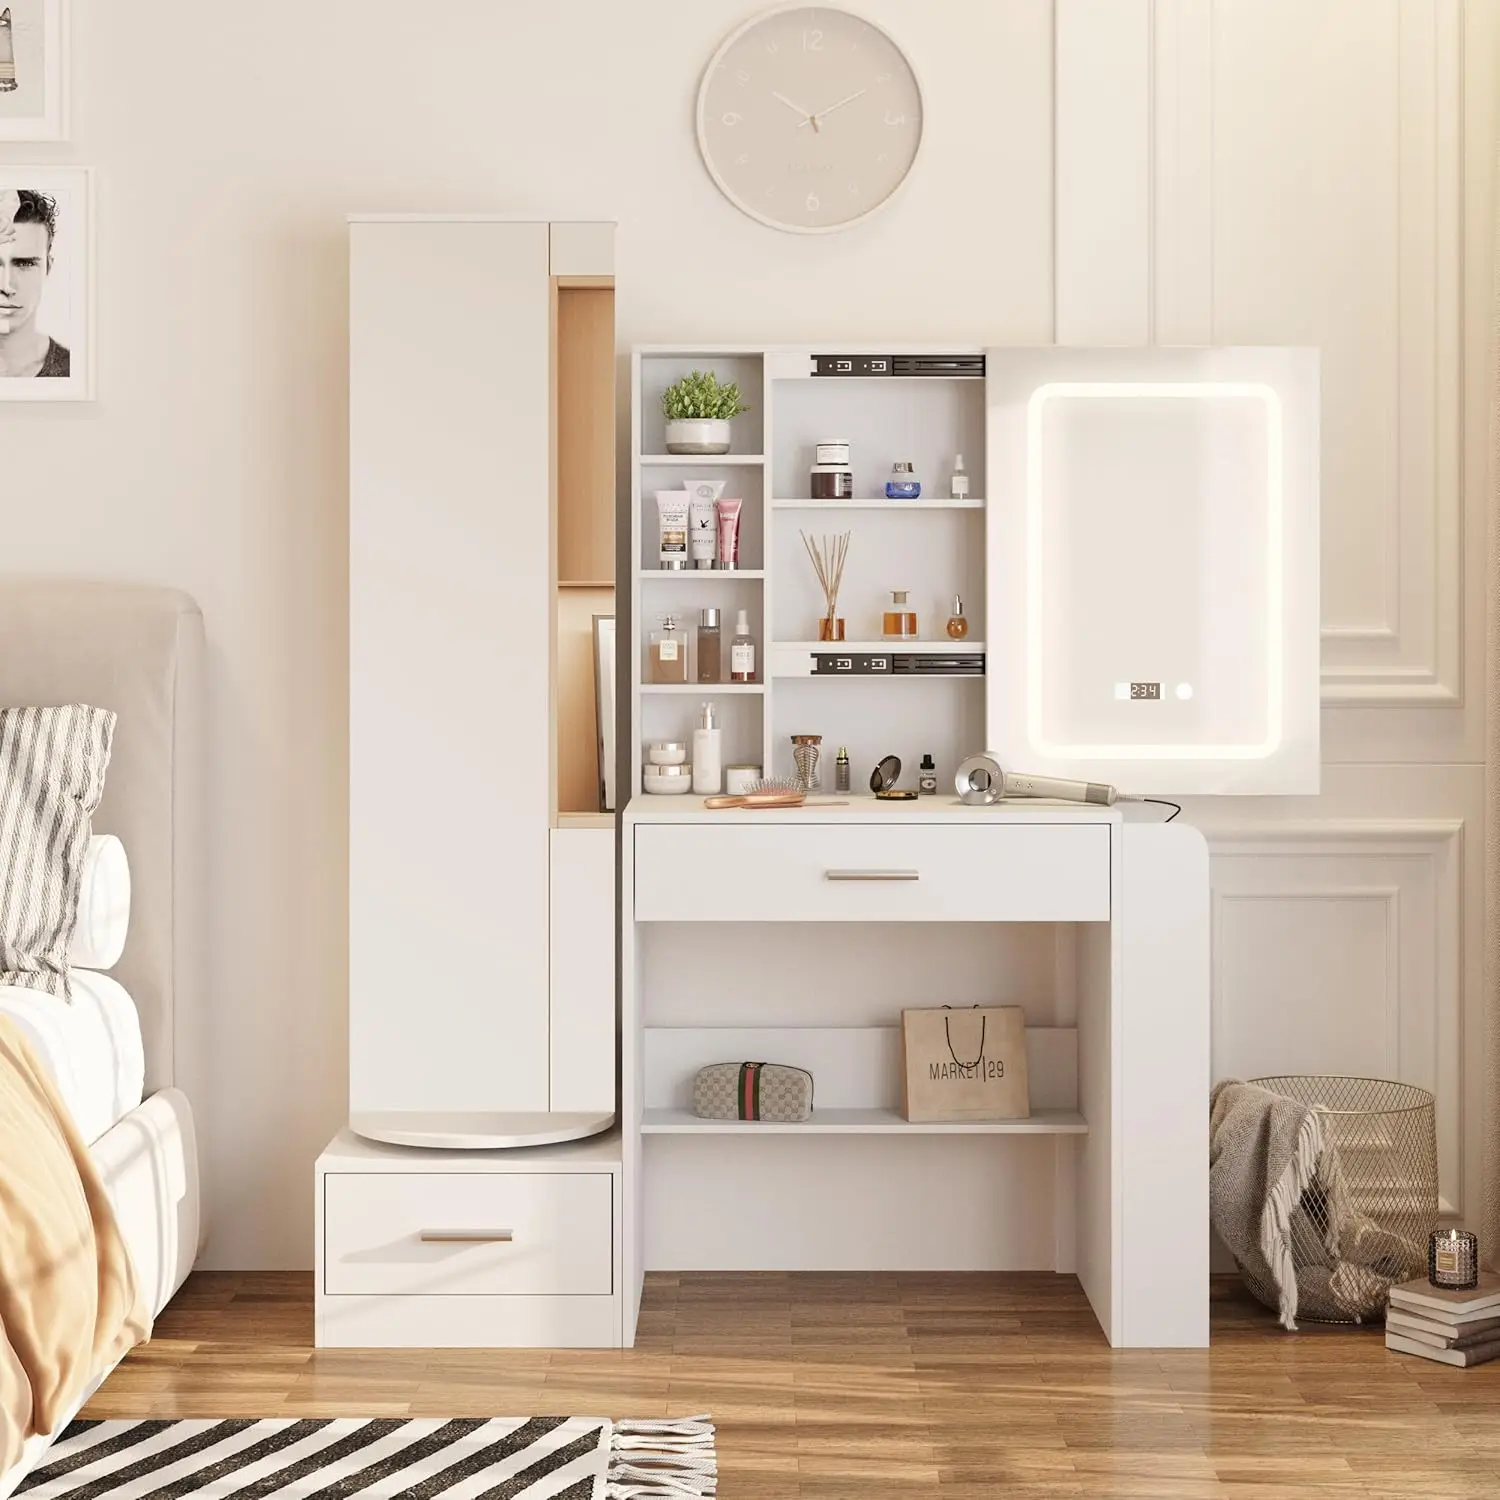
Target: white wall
<point>231,140</point>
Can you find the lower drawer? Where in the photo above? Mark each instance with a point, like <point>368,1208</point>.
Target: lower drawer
<point>453,1234</point>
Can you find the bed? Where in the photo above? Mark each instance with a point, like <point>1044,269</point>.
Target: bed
<point>137,650</point>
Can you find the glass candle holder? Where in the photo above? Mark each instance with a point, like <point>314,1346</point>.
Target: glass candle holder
<point>1453,1259</point>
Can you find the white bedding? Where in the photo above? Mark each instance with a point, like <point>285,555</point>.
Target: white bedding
<point>92,1046</point>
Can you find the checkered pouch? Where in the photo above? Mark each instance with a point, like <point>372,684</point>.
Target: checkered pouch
<point>753,1091</point>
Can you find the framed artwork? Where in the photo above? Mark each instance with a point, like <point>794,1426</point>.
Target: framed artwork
<point>604,706</point>
<point>46,284</point>
<point>33,70</point>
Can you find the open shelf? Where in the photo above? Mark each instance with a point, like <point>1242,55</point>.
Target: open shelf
<point>862,1122</point>
<point>873,504</point>
<point>699,460</point>
<point>703,689</point>
<point>586,820</point>
<point>943,647</point>
<point>675,575</point>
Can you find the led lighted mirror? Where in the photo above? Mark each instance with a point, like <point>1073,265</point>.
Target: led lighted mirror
<point>1158,587</point>
<point>1153,567</point>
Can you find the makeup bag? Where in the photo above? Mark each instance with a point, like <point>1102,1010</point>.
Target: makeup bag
<point>753,1091</point>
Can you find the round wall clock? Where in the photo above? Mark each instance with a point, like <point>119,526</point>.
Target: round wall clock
<point>809,118</point>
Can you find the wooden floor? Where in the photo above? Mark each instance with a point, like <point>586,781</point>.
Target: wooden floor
<point>863,1387</point>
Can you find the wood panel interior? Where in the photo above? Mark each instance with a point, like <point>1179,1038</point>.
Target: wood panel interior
<point>585,435</point>
<point>584,424</point>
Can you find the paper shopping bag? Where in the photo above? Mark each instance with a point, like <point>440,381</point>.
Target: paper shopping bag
<point>964,1064</point>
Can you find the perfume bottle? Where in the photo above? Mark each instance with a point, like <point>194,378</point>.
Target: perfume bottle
<point>927,777</point>
<point>841,770</point>
<point>958,626</point>
<point>710,654</point>
<point>958,486</point>
<point>903,483</point>
<point>742,650</point>
<point>668,652</point>
<point>899,623</point>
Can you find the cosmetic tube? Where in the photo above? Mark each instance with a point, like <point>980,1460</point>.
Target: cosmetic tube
<point>703,533</point>
<point>672,513</point>
<point>729,534</point>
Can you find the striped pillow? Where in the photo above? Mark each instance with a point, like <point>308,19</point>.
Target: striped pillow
<point>52,765</point>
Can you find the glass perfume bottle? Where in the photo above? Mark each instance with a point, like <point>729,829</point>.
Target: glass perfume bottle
<point>958,626</point>
<point>710,652</point>
<point>903,483</point>
<point>958,485</point>
<point>742,650</point>
<point>668,652</point>
<point>899,622</point>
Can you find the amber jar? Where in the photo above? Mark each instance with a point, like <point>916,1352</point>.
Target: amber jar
<point>900,621</point>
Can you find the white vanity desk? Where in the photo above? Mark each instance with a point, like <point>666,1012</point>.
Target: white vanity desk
<point>797,935</point>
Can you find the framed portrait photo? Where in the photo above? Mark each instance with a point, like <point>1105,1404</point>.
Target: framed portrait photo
<point>46,284</point>
<point>33,70</point>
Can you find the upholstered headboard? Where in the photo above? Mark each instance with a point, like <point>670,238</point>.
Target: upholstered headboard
<point>138,651</point>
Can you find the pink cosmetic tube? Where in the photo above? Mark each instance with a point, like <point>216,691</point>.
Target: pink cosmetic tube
<point>729,534</point>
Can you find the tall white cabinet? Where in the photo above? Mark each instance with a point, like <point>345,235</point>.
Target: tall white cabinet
<point>472,1200</point>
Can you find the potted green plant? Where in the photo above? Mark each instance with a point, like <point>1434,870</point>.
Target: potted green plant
<point>698,410</point>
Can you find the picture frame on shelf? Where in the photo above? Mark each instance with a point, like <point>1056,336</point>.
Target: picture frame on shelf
<point>604,706</point>
<point>33,70</point>
<point>46,293</point>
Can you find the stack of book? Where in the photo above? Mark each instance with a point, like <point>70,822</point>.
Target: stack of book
<point>1454,1328</point>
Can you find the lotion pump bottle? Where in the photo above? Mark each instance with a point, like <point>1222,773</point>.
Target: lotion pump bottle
<point>708,754</point>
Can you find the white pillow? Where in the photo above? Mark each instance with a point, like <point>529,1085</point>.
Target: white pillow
<point>103,905</point>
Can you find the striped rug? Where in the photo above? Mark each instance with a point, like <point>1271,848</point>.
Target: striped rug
<point>467,1458</point>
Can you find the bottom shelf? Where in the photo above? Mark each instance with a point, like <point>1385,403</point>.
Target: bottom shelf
<point>862,1122</point>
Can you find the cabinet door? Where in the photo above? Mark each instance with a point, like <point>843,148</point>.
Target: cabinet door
<point>450,604</point>
<point>583,969</point>
<point>1153,567</point>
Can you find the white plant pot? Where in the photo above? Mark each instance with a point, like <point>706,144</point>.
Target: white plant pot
<point>698,436</point>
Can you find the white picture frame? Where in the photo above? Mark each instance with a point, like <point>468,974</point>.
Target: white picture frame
<point>61,306</point>
<point>37,41</point>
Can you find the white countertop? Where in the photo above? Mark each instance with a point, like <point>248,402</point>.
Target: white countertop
<point>864,807</point>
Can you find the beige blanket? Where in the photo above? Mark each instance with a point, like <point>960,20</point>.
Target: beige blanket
<point>70,1305</point>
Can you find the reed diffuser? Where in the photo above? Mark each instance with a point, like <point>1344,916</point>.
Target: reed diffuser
<point>829,554</point>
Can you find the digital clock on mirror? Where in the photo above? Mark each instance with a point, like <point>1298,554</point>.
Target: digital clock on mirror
<point>1147,690</point>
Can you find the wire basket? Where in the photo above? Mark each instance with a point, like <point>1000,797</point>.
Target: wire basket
<point>1363,1226</point>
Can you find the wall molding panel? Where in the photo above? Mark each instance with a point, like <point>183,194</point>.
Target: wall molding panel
<point>1336,947</point>
<point>1220,228</point>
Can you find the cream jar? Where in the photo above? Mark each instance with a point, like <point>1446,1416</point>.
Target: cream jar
<point>738,780</point>
<point>671,781</point>
<point>667,753</point>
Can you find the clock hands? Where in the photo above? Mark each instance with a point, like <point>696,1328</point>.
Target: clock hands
<point>824,114</point>
<point>797,109</point>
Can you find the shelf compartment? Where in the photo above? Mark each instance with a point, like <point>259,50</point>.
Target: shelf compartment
<point>703,689</point>
<point>856,1080</point>
<point>944,647</point>
<point>699,460</point>
<point>862,1122</point>
<point>969,504</point>
<point>660,367</point>
<point>671,575</point>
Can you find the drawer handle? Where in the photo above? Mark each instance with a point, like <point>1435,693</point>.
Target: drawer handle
<point>466,1236</point>
<point>873,874</point>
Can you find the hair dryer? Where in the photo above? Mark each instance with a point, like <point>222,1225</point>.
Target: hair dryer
<point>981,781</point>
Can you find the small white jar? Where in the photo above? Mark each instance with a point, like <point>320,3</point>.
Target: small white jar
<point>740,779</point>
<point>667,753</point>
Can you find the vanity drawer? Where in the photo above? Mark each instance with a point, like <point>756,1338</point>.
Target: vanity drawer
<point>404,1233</point>
<point>1019,872</point>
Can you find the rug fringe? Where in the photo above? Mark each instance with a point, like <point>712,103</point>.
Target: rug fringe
<point>662,1460</point>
